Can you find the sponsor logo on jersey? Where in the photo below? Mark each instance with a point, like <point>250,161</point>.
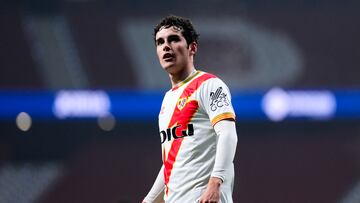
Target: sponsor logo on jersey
<point>218,99</point>
<point>176,132</point>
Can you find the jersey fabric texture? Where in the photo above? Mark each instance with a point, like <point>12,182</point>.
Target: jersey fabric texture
<point>188,113</point>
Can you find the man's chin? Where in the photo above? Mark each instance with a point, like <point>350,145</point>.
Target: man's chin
<point>170,69</point>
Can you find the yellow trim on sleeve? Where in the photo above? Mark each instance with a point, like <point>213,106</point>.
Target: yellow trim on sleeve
<point>223,116</point>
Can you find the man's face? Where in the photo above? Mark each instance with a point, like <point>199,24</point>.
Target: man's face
<point>172,49</point>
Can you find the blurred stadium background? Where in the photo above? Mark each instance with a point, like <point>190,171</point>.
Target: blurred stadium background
<point>80,88</point>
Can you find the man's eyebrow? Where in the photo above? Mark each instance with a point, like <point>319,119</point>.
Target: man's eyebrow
<point>173,36</point>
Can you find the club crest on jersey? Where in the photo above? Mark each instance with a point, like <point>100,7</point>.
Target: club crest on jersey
<point>181,103</point>
<point>218,99</point>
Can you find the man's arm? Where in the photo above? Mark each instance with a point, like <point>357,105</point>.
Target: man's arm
<point>155,195</point>
<point>225,153</point>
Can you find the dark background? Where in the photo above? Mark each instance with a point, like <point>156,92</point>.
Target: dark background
<point>75,161</point>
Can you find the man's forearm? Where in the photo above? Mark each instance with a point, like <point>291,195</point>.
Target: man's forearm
<point>157,188</point>
<point>225,149</point>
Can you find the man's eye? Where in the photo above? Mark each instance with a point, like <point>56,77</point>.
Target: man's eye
<point>159,42</point>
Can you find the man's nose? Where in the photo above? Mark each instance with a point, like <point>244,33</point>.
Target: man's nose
<point>166,47</point>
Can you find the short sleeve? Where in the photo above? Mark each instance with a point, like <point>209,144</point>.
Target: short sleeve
<point>216,100</point>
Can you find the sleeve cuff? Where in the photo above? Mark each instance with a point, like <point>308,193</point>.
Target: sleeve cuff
<point>221,177</point>
<point>223,116</point>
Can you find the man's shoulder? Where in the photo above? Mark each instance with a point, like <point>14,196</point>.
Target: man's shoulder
<point>208,74</point>
<point>205,77</point>
<point>213,80</point>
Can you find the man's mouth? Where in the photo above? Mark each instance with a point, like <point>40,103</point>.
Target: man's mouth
<point>168,56</point>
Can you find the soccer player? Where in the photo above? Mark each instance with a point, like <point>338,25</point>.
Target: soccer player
<point>196,122</point>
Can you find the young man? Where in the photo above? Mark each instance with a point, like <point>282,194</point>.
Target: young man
<point>196,121</point>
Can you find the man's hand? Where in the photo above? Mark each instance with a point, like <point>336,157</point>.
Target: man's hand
<point>212,192</point>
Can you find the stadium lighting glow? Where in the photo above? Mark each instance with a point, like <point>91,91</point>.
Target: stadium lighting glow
<point>81,104</point>
<point>279,104</point>
<point>23,121</point>
<point>275,105</point>
<point>106,123</point>
<point>315,104</point>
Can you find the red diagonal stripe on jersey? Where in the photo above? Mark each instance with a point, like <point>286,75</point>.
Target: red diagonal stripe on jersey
<point>182,117</point>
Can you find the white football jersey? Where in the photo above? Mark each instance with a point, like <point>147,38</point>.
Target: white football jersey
<point>188,113</point>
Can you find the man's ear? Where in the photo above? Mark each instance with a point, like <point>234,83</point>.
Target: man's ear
<point>193,48</point>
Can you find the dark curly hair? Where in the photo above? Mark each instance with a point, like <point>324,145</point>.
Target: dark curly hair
<point>187,29</point>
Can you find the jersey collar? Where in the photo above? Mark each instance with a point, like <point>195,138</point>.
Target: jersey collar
<point>190,77</point>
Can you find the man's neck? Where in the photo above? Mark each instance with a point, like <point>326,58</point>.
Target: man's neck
<point>181,76</point>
